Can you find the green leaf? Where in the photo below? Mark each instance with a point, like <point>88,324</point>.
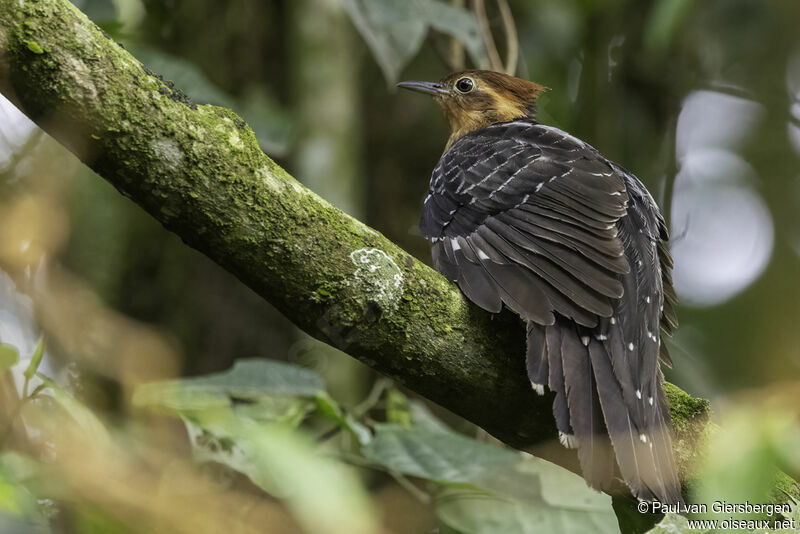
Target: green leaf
<point>324,495</point>
<point>290,411</point>
<point>423,418</point>
<point>435,456</point>
<point>36,359</point>
<point>251,380</point>
<point>330,409</point>
<point>492,489</point>
<point>395,29</point>
<point>397,409</point>
<point>9,356</point>
<point>19,510</point>
<point>471,511</point>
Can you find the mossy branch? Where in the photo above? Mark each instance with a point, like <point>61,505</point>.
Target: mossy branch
<point>199,171</point>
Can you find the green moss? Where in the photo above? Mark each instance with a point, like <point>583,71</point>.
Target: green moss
<point>684,408</point>
<point>34,47</point>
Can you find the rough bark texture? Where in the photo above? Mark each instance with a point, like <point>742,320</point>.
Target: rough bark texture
<point>199,171</point>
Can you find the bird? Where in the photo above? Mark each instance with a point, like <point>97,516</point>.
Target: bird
<point>524,215</point>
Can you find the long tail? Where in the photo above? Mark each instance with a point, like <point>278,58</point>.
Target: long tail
<point>598,408</point>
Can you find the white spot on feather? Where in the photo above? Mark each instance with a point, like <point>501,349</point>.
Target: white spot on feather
<point>568,440</point>
<point>630,346</point>
<point>638,393</point>
<point>538,388</point>
<point>585,340</point>
<point>643,438</point>
<point>650,400</point>
<point>454,244</point>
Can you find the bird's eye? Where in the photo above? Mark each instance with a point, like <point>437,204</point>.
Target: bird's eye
<point>465,85</point>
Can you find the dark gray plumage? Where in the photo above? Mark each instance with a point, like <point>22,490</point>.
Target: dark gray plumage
<point>526,215</point>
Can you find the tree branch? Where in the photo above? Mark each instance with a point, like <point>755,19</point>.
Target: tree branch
<point>200,172</point>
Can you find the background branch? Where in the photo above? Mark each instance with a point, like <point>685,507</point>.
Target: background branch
<point>495,63</point>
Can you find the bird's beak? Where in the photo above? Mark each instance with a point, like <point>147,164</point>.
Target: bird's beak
<point>429,88</point>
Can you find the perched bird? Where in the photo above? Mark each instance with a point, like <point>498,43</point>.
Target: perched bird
<point>526,215</point>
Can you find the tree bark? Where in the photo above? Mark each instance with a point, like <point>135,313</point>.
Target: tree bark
<point>199,171</point>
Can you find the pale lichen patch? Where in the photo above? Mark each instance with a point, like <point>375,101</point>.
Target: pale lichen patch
<point>80,77</point>
<point>236,141</point>
<point>378,277</point>
<point>169,152</point>
<point>266,175</point>
<point>84,37</point>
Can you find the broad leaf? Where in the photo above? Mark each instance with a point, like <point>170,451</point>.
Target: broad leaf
<point>324,495</point>
<point>487,488</point>
<point>443,457</point>
<point>423,419</point>
<point>395,29</point>
<point>330,409</point>
<point>249,380</point>
<point>475,512</point>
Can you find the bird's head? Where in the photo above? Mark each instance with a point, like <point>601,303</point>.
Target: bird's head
<point>474,99</point>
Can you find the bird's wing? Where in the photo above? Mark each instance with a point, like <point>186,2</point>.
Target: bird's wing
<point>525,214</point>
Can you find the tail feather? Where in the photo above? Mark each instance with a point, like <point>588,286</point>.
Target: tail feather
<point>556,382</point>
<point>644,455</point>
<point>536,357</point>
<point>594,450</point>
<point>662,444</point>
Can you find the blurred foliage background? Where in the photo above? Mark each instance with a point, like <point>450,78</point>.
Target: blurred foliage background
<point>701,100</point>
